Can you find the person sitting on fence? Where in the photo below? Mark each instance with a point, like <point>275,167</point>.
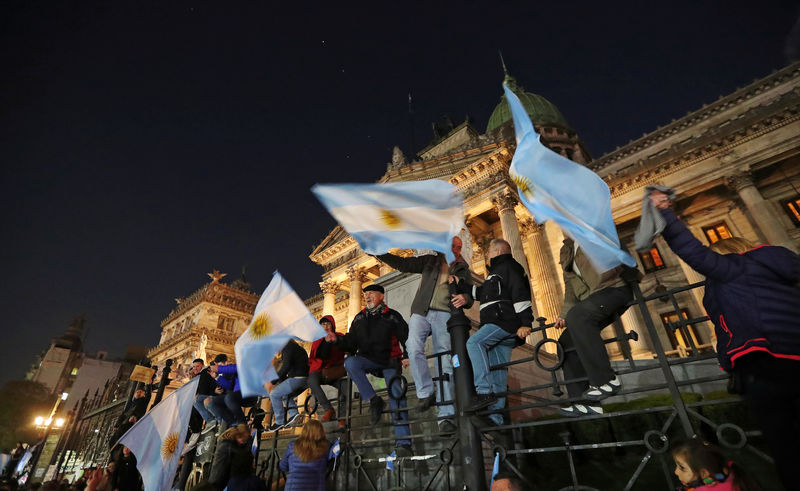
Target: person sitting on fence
<point>228,406</point>
<point>325,367</point>
<point>430,311</point>
<point>292,376</point>
<point>134,410</point>
<point>700,465</point>
<point>233,462</point>
<point>506,319</point>
<point>306,459</point>
<point>592,299</point>
<point>205,392</point>
<point>375,338</point>
<point>751,296</point>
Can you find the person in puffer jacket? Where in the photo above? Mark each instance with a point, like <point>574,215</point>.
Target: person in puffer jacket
<point>306,459</point>
<point>753,299</point>
<point>325,367</point>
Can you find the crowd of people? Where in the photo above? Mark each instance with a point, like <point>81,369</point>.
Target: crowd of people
<point>751,296</point>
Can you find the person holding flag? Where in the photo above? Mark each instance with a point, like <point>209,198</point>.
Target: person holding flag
<point>595,266</point>
<point>375,339</point>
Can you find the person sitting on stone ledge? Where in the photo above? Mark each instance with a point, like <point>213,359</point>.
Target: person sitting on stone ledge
<point>592,300</point>
<point>325,367</point>
<point>430,311</point>
<point>205,392</point>
<point>506,318</point>
<point>375,339</point>
<point>292,375</point>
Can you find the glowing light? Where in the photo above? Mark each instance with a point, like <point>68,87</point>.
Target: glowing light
<point>48,421</point>
<point>59,422</point>
<point>64,396</point>
<point>39,421</point>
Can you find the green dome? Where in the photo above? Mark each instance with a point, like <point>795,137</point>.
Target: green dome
<point>541,111</point>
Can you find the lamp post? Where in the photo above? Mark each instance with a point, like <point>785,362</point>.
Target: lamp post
<point>46,424</point>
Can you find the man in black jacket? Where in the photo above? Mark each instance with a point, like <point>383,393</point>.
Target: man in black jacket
<point>292,375</point>
<point>375,339</point>
<point>205,390</point>
<point>430,311</point>
<point>506,318</point>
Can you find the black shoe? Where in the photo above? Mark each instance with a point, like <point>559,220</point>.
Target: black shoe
<point>481,401</point>
<point>375,410</point>
<point>275,427</point>
<point>447,427</point>
<point>404,451</point>
<point>426,403</point>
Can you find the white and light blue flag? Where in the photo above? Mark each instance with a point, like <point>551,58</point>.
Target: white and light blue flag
<point>335,450</point>
<point>404,215</point>
<point>157,438</point>
<point>552,187</point>
<point>280,315</point>
<point>495,467</point>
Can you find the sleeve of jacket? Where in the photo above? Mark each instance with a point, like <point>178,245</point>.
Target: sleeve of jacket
<point>400,330</point>
<point>286,363</point>
<point>348,342</point>
<point>314,363</point>
<point>464,284</point>
<point>284,463</point>
<point>695,254</point>
<point>222,462</point>
<point>521,297</point>
<point>569,297</point>
<point>406,264</point>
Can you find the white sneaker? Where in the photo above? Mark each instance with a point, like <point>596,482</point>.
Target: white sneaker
<point>577,410</point>
<point>601,392</point>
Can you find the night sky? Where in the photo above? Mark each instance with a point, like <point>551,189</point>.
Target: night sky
<point>145,144</point>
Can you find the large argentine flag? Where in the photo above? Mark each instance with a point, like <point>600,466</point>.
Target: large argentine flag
<point>555,188</point>
<point>280,315</point>
<point>156,440</point>
<point>405,215</point>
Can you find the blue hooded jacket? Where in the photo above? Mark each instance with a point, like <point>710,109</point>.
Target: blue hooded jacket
<point>753,298</point>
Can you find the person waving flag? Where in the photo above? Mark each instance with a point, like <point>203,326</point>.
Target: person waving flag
<point>552,187</point>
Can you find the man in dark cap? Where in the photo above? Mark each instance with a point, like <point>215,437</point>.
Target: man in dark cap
<point>374,341</point>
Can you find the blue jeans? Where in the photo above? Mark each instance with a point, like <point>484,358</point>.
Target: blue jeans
<point>357,368</point>
<point>491,345</point>
<point>279,395</point>
<point>433,324</point>
<point>228,407</point>
<point>199,400</point>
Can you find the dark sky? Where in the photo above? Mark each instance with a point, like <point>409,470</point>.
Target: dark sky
<point>144,144</point>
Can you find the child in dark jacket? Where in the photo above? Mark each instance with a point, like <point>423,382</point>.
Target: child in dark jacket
<point>753,299</point>
<point>306,459</point>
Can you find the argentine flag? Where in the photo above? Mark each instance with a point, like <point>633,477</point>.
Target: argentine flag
<point>555,188</point>
<point>280,315</point>
<point>405,215</point>
<point>157,439</point>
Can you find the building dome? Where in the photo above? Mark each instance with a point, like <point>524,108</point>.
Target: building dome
<point>541,111</point>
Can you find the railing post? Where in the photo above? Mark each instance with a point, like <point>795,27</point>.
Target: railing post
<point>472,466</point>
<point>680,406</point>
<point>164,381</point>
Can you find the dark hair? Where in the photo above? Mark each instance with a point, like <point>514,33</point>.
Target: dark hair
<point>701,455</point>
<point>222,357</point>
<point>514,482</point>
<point>200,360</point>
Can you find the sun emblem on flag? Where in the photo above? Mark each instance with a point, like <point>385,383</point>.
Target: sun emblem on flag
<point>524,184</point>
<point>390,219</point>
<point>261,327</point>
<point>169,445</point>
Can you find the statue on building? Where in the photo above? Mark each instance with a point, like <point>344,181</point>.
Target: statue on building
<point>201,350</point>
<point>398,159</point>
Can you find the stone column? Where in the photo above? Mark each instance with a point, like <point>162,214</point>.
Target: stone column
<point>761,210</point>
<point>548,293</point>
<point>357,276</point>
<point>630,322</point>
<point>505,204</point>
<point>329,289</point>
<point>692,277</point>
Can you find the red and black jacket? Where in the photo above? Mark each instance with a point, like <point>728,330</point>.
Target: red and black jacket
<point>377,336</point>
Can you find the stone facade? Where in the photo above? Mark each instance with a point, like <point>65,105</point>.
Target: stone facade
<point>735,164</point>
<point>217,310</point>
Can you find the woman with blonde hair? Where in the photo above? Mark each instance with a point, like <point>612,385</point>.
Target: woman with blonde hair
<point>306,459</point>
<point>753,299</point>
